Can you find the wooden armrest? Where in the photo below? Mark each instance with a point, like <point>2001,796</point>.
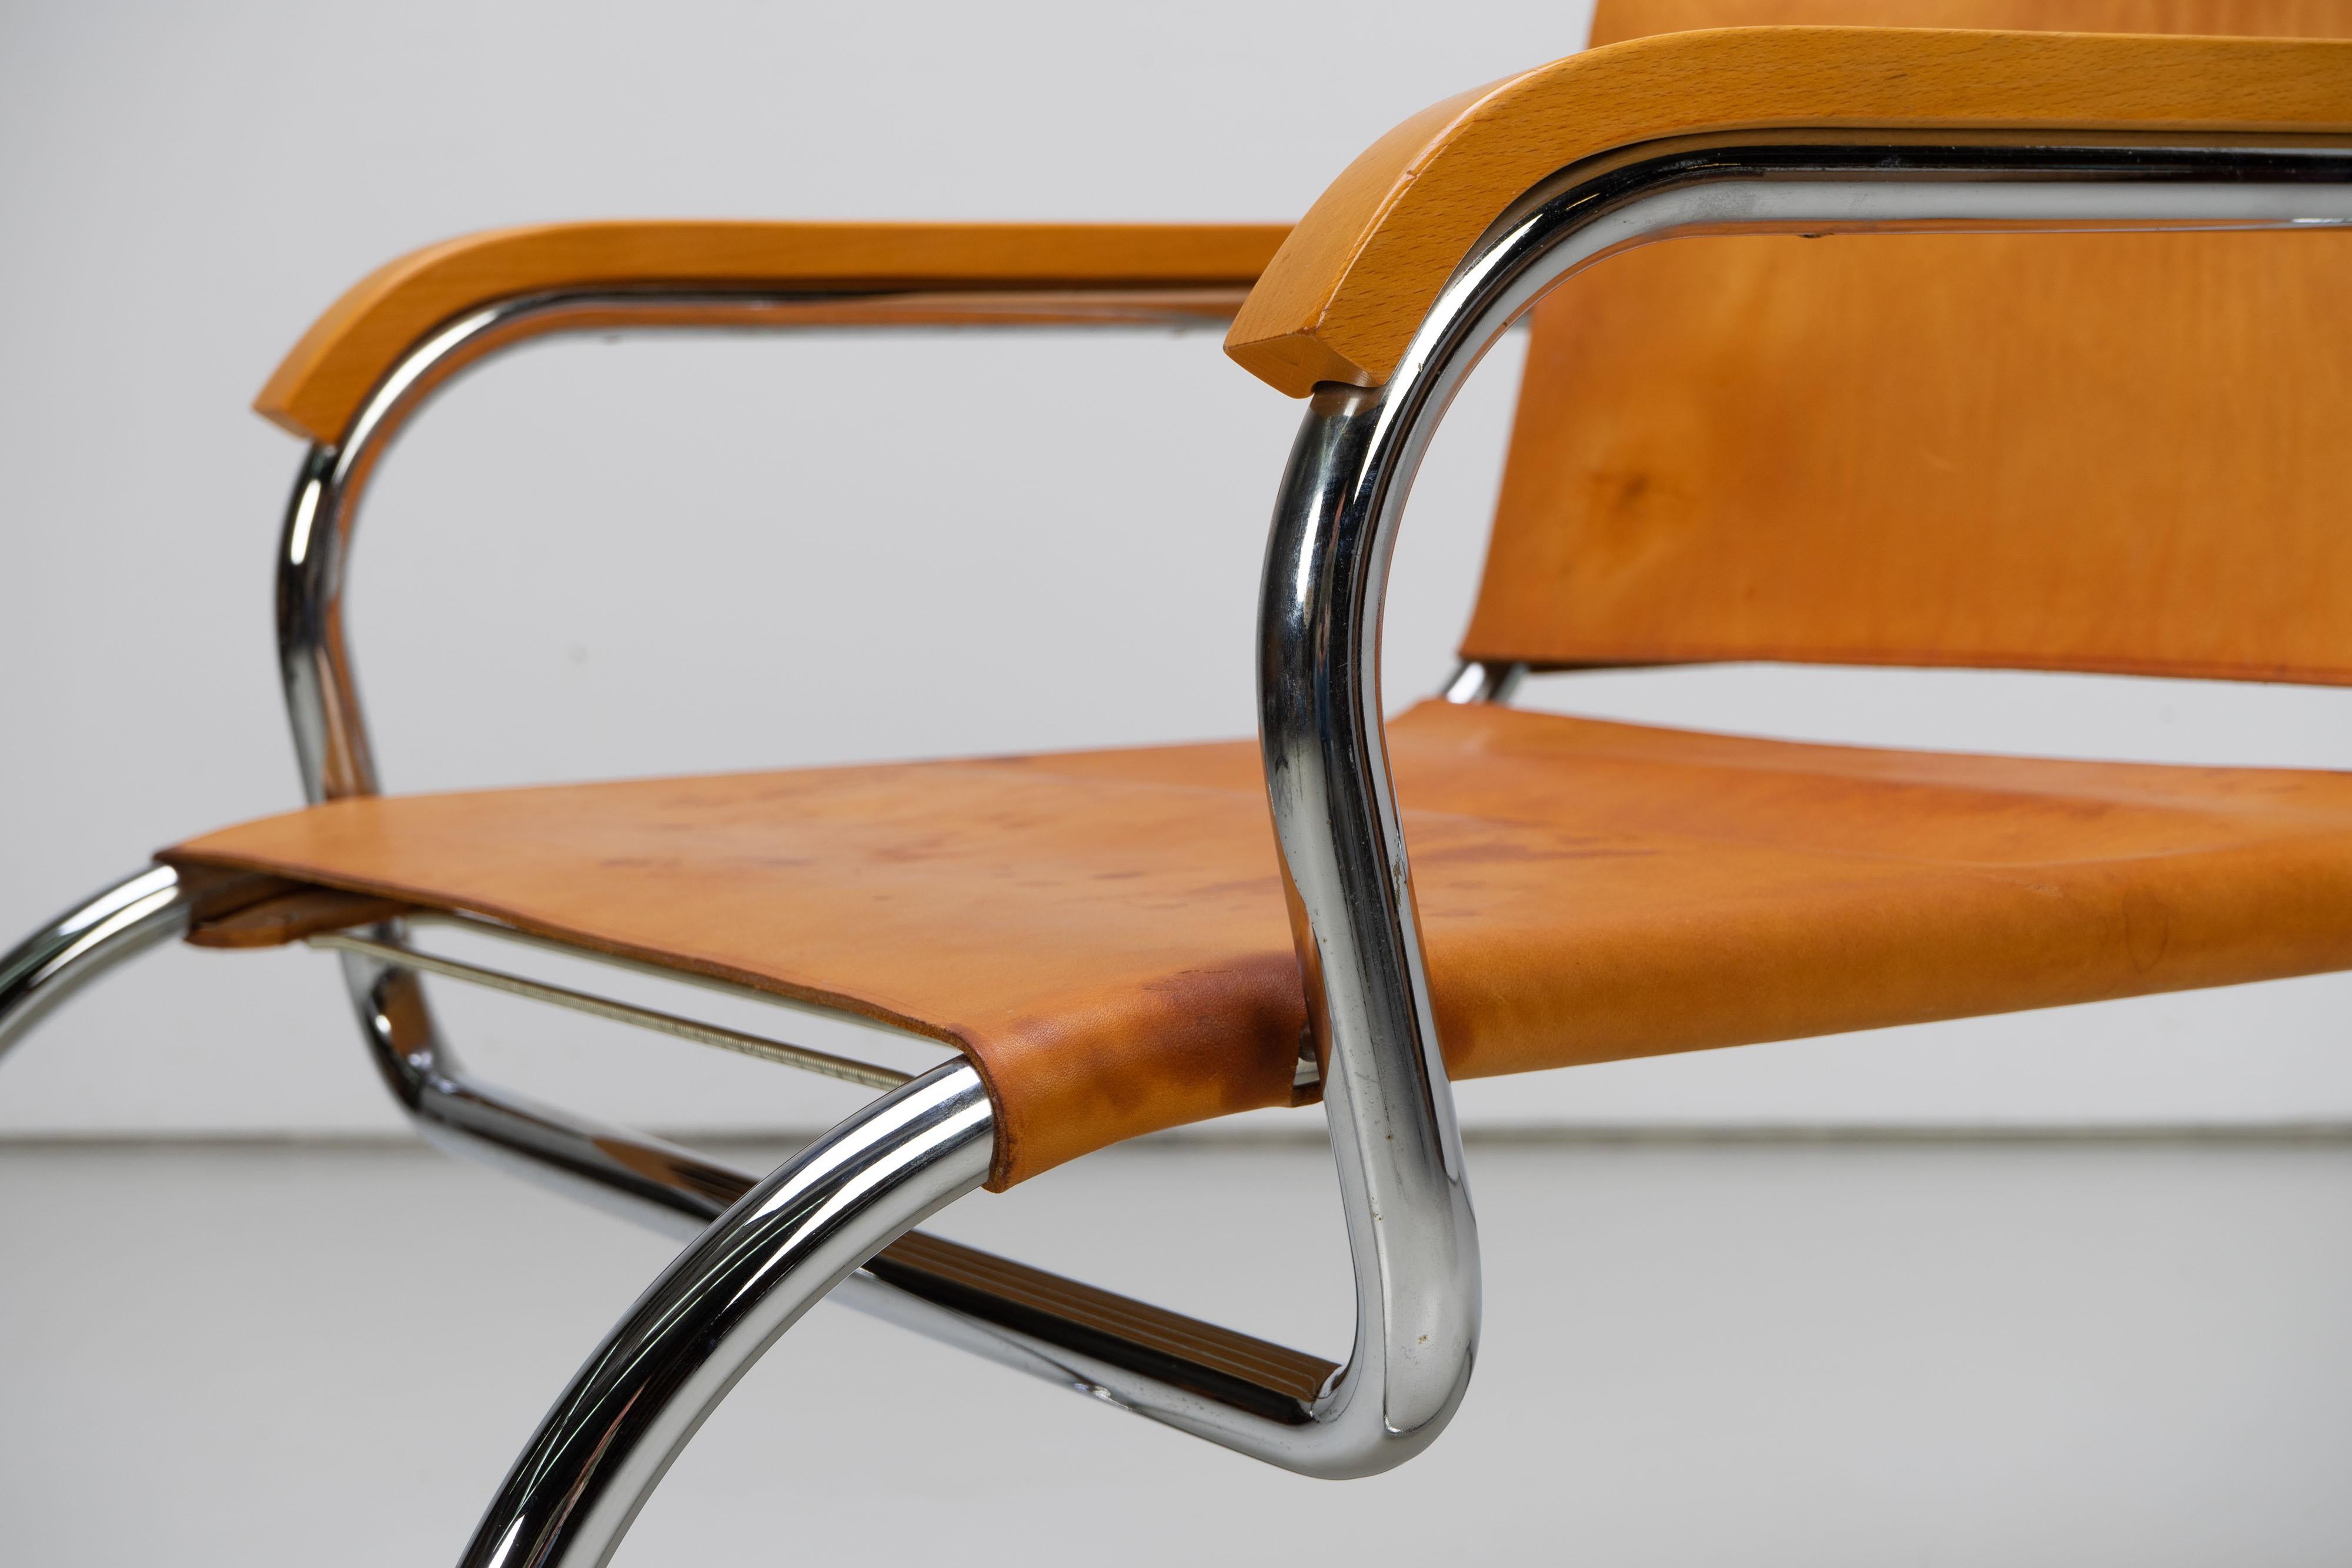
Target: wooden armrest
<point>326,378</point>
<point>1343,299</point>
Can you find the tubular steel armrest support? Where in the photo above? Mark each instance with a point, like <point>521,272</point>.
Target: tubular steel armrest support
<point>513,286</point>
<point>1400,1161</point>
<point>1260,1398</point>
<point>1320,711</point>
<point>119,923</point>
<point>373,360</point>
<point>1409,1219</point>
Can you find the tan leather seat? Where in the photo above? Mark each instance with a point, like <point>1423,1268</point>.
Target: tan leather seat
<point>1104,931</point>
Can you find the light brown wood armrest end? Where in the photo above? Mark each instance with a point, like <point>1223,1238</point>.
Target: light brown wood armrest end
<point>326,378</point>
<point>1341,299</point>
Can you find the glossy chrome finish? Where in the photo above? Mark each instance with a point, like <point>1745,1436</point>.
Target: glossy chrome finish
<point>823,1063</point>
<point>1409,1224</point>
<point>845,1202</point>
<point>726,1297</point>
<point>1411,1231</point>
<point>331,739</point>
<point>1485,681</point>
<point>641,1178</point>
<point>1408,1214</point>
<point>1241,1392</point>
<point>623,1172</point>
<point>83,944</point>
<point>1201,1378</point>
<point>1343,497</point>
<point>1122,1351</point>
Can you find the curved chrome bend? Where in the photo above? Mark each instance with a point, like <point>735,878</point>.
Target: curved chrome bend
<point>603,1448</point>
<point>331,739</point>
<point>1483,680</point>
<point>637,1176</point>
<point>1408,1214</point>
<point>59,959</point>
<point>1320,717</point>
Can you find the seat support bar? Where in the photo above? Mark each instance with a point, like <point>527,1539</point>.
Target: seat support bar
<point>823,1063</point>
<point>1121,1351</point>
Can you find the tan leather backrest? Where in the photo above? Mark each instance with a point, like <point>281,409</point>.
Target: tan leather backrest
<point>2088,452</point>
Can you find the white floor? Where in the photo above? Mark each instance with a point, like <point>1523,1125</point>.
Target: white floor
<point>1694,1353</point>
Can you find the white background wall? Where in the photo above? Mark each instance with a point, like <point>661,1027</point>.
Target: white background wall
<point>691,554</point>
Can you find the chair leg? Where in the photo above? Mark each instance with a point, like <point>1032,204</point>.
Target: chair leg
<point>604,1447</point>
<point>83,944</point>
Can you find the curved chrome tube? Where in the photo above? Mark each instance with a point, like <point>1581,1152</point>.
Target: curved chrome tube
<point>1319,706</point>
<point>1483,681</point>
<point>1408,1214</point>
<point>83,944</point>
<point>726,1299</point>
<point>330,740</point>
<point>1252,1396</point>
<point>626,1174</point>
<point>639,1177</point>
<point>1411,1231</point>
<point>1409,1218</point>
<point>812,1225</point>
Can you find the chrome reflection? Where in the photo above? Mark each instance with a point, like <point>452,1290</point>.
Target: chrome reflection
<point>1320,720</point>
<point>117,923</point>
<point>603,1448</point>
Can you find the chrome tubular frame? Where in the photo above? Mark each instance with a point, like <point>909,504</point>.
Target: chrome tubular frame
<point>1483,681</point>
<point>142,910</point>
<point>1335,526</point>
<point>698,1327</point>
<point>1243,1391</point>
<point>330,740</point>
<point>811,1226</point>
<point>330,737</point>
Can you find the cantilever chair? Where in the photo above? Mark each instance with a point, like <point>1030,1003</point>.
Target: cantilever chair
<point>1958,443</point>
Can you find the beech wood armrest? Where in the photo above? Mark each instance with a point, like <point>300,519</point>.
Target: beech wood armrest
<point>326,379</point>
<point>1343,299</point>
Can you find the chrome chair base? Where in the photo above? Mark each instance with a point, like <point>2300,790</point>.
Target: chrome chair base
<point>838,1216</point>
<point>840,1213</point>
<point>604,1447</point>
<point>143,909</point>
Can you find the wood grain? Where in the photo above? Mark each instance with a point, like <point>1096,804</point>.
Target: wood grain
<point>326,377</point>
<point>2084,451</point>
<point>1615,21</point>
<point>2074,452</point>
<point>1341,299</point>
